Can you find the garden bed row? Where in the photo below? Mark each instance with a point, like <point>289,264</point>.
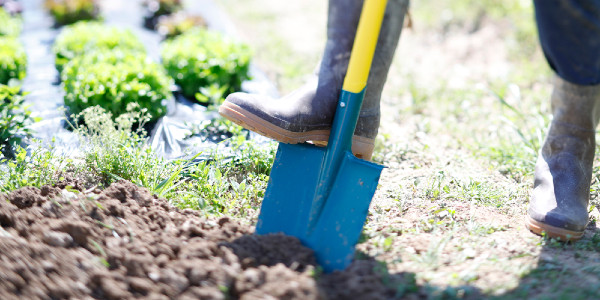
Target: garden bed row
<point>113,88</point>
<point>108,67</point>
<point>95,71</point>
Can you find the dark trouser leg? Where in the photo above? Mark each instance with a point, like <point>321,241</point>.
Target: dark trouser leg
<point>569,32</point>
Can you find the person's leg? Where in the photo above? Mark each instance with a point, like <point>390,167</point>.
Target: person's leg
<point>569,32</point>
<point>307,113</point>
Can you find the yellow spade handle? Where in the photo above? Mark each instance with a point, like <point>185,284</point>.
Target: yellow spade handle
<point>364,45</point>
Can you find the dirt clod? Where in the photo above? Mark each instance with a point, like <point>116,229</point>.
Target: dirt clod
<point>26,197</point>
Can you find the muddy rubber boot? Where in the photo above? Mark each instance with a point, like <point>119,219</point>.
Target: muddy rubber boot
<point>307,113</point>
<point>563,172</point>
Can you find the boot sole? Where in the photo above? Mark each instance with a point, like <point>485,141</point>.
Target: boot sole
<point>564,235</point>
<point>361,147</point>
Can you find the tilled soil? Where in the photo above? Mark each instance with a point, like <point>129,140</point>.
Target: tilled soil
<point>125,243</point>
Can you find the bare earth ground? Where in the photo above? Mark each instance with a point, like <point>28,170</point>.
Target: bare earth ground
<point>124,243</point>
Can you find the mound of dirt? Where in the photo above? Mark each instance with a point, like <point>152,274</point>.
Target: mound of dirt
<point>125,243</point>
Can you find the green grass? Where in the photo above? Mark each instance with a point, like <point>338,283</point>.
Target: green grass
<point>501,120</point>
<point>37,168</point>
<point>117,149</point>
<point>442,187</point>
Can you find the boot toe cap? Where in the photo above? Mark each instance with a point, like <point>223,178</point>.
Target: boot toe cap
<point>242,99</point>
<point>560,219</point>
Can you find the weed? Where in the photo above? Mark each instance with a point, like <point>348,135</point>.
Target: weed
<point>40,167</point>
<point>475,228</point>
<point>230,185</point>
<point>385,151</point>
<point>114,150</point>
<point>102,253</point>
<point>431,257</point>
<point>443,186</point>
<point>518,160</point>
<point>437,186</point>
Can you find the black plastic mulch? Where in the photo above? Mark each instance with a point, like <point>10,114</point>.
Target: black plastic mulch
<point>170,136</point>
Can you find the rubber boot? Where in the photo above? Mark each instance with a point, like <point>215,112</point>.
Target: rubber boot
<point>563,172</point>
<point>307,113</point>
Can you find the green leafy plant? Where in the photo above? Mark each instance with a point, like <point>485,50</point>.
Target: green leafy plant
<point>39,167</point>
<point>217,129</point>
<point>10,26</point>
<point>84,37</point>
<point>70,11</point>
<point>173,25</point>
<point>115,79</point>
<point>158,8</point>
<point>114,150</point>
<point>14,119</point>
<point>201,59</point>
<point>229,185</point>
<point>163,7</point>
<point>13,60</point>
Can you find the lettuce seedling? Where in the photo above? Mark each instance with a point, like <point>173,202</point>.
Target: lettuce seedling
<point>70,11</point>
<point>170,26</point>
<point>9,26</point>
<point>13,60</point>
<point>158,8</point>
<point>200,59</point>
<point>15,118</point>
<point>114,79</point>
<point>84,37</point>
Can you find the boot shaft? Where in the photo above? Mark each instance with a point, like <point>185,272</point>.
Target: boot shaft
<point>343,17</point>
<point>563,171</point>
<point>575,111</point>
<point>574,104</point>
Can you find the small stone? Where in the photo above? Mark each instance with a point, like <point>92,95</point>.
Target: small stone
<point>58,239</point>
<point>154,276</point>
<point>68,195</point>
<point>470,253</point>
<point>141,285</point>
<point>48,266</point>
